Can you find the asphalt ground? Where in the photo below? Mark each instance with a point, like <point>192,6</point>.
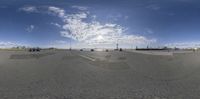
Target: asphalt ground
<point>99,75</point>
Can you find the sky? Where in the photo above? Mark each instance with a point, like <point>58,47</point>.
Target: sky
<point>99,23</point>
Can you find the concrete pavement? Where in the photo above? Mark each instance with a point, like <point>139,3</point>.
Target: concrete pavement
<point>98,75</point>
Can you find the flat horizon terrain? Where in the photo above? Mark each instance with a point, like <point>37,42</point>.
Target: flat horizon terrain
<point>63,74</point>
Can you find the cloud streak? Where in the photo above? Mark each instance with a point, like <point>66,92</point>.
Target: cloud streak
<point>56,24</point>
<point>29,9</point>
<point>153,7</point>
<point>80,7</point>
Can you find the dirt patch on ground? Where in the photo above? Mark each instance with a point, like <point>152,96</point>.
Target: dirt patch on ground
<point>30,56</point>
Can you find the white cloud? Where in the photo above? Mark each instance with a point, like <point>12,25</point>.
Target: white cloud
<point>94,17</point>
<point>93,32</point>
<point>56,24</point>
<point>89,32</point>
<point>8,44</point>
<point>30,28</point>
<point>153,7</point>
<point>29,9</point>
<point>184,44</point>
<point>56,11</point>
<point>80,7</point>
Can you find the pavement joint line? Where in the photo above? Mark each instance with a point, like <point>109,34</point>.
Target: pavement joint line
<point>89,58</point>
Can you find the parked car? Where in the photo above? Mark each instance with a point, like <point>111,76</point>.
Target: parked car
<point>92,50</point>
<point>34,50</point>
<point>30,50</point>
<point>37,49</point>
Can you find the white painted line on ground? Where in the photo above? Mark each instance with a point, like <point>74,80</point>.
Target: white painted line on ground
<point>89,58</point>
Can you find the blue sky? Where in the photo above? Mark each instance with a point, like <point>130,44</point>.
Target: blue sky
<point>99,23</point>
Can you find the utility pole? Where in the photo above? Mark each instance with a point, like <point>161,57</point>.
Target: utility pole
<point>70,45</point>
<point>117,45</point>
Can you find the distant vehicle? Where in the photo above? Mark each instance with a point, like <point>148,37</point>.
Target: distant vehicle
<point>34,50</point>
<point>30,50</point>
<point>106,50</point>
<point>81,49</point>
<point>92,50</point>
<point>120,49</point>
<point>195,49</point>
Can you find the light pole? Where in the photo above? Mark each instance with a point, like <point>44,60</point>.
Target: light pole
<point>70,45</point>
<point>117,45</point>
